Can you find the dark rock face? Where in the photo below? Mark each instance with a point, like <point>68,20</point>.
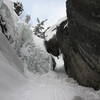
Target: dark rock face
<point>80,41</point>
<point>52,46</point>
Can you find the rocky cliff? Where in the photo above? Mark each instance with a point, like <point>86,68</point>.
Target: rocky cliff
<point>80,41</point>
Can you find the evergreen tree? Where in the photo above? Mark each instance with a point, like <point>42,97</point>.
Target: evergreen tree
<point>39,29</point>
<point>18,7</point>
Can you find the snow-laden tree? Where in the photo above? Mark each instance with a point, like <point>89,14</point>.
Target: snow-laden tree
<point>27,19</point>
<point>18,7</point>
<point>36,59</point>
<point>24,34</point>
<point>40,29</point>
<point>33,57</point>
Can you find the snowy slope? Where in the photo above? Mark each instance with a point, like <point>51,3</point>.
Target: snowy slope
<point>10,54</point>
<point>11,69</point>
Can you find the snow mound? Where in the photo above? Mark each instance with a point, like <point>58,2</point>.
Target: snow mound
<point>53,29</point>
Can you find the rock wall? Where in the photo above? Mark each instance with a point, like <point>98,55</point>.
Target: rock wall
<point>80,42</point>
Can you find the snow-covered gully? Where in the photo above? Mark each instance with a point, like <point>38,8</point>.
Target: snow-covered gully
<point>18,83</point>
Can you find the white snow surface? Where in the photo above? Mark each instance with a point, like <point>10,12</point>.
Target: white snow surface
<point>17,83</point>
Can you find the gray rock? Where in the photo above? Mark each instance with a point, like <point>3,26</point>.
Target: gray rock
<point>80,41</point>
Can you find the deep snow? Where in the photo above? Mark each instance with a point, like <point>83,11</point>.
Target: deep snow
<point>17,83</point>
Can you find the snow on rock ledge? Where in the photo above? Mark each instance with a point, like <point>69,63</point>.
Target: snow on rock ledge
<point>52,30</point>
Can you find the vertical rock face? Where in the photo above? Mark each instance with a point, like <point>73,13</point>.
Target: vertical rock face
<point>81,42</point>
